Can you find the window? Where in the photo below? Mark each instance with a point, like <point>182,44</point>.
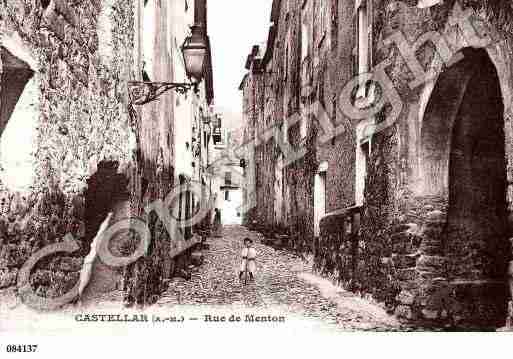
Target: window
<point>427,3</point>
<point>363,152</point>
<point>334,24</point>
<point>304,37</point>
<point>334,120</point>
<point>286,66</point>
<point>228,178</point>
<point>322,15</point>
<point>366,152</point>
<point>363,37</point>
<point>319,200</point>
<point>286,99</point>
<point>363,41</point>
<point>257,175</point>
<point>188,207</point>
<point>227,195</point>
<point>303,125</point>
<point>284,129</point>
<point>361,171</point>
<point>147,33</point>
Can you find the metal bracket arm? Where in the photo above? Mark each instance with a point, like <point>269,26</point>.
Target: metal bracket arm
<point>143,92</point>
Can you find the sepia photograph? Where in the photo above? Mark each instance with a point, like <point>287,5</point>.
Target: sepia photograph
<point>255,173</point>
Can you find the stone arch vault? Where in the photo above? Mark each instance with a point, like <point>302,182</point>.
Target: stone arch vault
<point>464,166</point>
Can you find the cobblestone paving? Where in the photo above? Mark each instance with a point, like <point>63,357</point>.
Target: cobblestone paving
<point>278,284</point>
<point>283,286</point>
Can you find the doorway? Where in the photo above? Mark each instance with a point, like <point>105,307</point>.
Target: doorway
<point>477,238</point>
<point>464,166</point>
<point>278,191</point>
<point>319,201</point>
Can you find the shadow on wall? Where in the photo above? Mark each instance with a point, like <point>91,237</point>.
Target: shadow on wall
<point>106,190</point>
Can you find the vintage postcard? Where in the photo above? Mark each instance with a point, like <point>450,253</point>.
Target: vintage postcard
<point>240,169</point>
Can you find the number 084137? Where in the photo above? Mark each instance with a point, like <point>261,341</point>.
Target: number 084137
<point>18,348</point>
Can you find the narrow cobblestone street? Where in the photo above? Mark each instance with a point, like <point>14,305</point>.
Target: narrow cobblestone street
<point>283,282</point>
<point>284,286</point>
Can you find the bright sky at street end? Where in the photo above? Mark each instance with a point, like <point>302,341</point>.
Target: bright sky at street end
<point>234,26</point>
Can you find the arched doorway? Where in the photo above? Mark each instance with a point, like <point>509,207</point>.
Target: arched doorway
<point>14,76</point>
<point>477,244</point>
<point>464,165</point>
<point>19,115</point>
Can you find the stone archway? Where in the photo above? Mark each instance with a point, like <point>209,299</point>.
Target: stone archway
<point>19,101</point>
<point>107,192</point>
<point>464,168</point>
<point>477,246</point>
<point>14,75</point>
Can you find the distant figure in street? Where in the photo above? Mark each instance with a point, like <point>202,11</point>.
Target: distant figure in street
<point>217,223</point>
<point>248,259</point>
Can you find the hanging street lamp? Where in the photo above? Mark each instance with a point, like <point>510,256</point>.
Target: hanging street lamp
<point>194,52</point>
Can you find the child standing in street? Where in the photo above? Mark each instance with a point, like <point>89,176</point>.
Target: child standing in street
<point>248,259</point>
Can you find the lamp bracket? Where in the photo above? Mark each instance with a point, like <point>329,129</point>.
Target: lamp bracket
<point>143,92</point>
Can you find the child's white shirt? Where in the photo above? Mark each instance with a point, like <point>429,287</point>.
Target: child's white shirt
<point>248,258</point>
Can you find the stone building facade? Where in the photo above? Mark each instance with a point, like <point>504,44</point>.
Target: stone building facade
<point>437,199</point>
<point>74,109</point>
<point>416,205</point>
<point>299,72</point>
<point>65,67</point>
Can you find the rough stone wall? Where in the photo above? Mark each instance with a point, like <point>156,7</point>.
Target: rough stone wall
<point>83,120</point>
<point>156,163</point>
<point>403,254</point>
<point>254,97</point>
<point>263,94</point>
<point>318,79</point>
<point>404,261</point>
<point>298,174</point>
<point>321,77</point>
<point>332,69</point>
<point>337,249</point>
<point>300,181</point>
<point>249,169</point>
